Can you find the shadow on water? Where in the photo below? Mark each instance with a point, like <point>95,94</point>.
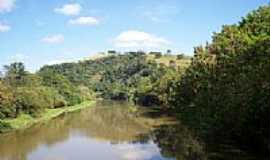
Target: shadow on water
<point>176,140</point>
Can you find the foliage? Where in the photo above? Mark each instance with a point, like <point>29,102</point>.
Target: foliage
<point>7,102</point>
<point>64,87</point>
<point>4,126</point>
<point>15,74</point>
<point>23,92</point>
<point>227,85</point>
<point>31,101</point>
<point>130,76</point>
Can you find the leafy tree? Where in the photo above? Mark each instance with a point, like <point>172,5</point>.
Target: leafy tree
<point>169,52</point>
<point>7,102</point>
<point>62,85</point>
<point>226,86</point>
<point>15,73</point>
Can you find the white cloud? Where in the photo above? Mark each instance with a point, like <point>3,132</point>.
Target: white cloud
<point>135,39</point>
<point>6,5</point>
<point>4,27</point>
<point>137,151</point>
<point>69,9</point>
<point>53,39</point>
<point>85,21</point>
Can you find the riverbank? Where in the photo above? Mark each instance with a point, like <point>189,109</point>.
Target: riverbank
<point>25,121</point>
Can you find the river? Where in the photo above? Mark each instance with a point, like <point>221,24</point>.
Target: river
<point>107,131</point>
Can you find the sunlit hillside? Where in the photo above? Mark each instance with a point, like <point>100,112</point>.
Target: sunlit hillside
<point>170,59</point>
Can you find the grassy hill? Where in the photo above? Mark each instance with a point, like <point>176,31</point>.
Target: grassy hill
<point>166,59</point>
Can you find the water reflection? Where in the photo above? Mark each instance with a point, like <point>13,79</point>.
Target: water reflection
<point>108,131</point>
<point>113,131</point>
<point>177,141</point>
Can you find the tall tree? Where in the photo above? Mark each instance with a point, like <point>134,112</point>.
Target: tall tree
<point>15,73</point>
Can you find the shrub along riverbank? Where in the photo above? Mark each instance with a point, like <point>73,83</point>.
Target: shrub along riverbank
<point>24,121</point>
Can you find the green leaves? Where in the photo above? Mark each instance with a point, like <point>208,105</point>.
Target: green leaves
<point>226,86</point>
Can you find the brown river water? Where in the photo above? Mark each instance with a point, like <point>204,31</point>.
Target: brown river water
<point>107,131</point>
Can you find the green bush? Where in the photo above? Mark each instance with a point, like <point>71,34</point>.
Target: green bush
<point>30,101</point>
<point>7,105</point>
<point>4,126</point>
<point>52,99</point>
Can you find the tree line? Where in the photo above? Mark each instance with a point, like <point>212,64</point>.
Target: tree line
<point>129,76</point>
<point>24,92</point>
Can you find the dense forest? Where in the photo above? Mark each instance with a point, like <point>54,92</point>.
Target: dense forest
<point>224,90</point>
<point>133,76</point>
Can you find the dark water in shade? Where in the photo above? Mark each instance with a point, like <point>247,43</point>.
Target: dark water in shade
<point>109,131</point>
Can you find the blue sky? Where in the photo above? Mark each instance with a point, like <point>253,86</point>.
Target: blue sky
<point>45,32</point>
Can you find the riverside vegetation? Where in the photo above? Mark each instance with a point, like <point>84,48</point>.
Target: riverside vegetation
<point>224,90</point>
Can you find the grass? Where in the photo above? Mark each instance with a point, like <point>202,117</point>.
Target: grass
<point>25,121</point>
<point>165,59</point>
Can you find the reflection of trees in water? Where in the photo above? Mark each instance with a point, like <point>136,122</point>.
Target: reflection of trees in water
<point>16,145</point>
<point>113,122</point>
<point>116,126</point>
<point>116,123</point>
<point>176,141</point>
